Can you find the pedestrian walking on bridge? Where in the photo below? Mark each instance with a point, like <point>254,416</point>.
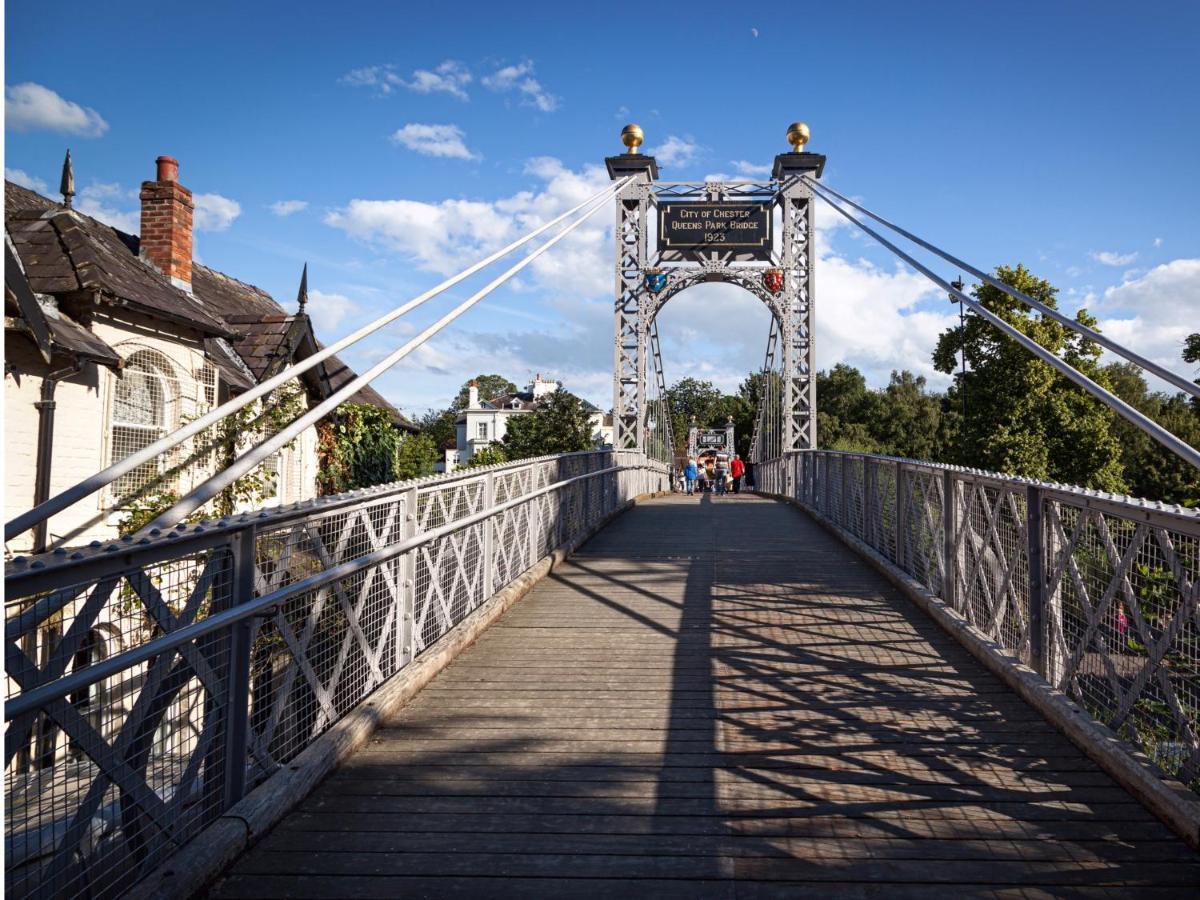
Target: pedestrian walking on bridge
<point>737,469</point>
<point>689,475</point>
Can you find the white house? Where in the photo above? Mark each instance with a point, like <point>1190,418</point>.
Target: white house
<point>112,341</point>
<point>485,422</point>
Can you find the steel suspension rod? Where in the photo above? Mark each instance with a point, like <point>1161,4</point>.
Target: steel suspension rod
<point>243,464</point>
<point>106,476</point>
<point>1091,334</point>
<point>1180,448</point>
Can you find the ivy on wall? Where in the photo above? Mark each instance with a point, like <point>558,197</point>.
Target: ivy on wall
<point>359,447</point>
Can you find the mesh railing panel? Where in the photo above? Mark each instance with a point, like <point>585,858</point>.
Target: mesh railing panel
<point>104,783</point>
<point>1119,580</point>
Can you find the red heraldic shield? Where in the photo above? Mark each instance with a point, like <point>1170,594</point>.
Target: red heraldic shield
<point>773,280</point>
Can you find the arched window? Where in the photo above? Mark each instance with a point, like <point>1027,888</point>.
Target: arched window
<point>142,402</point>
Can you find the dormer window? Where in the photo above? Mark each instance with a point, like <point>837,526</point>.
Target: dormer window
<point>515,404</point>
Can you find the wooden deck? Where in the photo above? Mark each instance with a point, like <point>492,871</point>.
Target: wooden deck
<point>715,699</point>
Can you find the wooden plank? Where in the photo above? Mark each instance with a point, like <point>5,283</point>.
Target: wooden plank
<point>681,715</point>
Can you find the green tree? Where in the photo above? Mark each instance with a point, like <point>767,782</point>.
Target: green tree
<point>1152,470</point>
<point>845,411</point>
<point>690,397</point>
<point>908,420</point>
<point>439,426</point>
<point>489,386</point>
<point>415,456</point>
<point>356,447</point>
<point>559,425</point>
<point>486,456</point>
<point>1023,417</point>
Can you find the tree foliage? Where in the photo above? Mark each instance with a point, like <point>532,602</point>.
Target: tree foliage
<point>489,386</point>
<point>1152,470</point>
<point>487,456</point>
<point>439,426</point>
<point>559,425</point>
<point>360,447</point>
<point>1023,417</point>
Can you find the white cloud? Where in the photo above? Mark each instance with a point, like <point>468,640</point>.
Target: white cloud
<point>1112,258</point>
<point>214,212</point>
<point>878,319</point>
<point>1158,242</point>
<point>520,78</point>
<point>284,208</point>
<point>434,140</point>
<point>676,151</point>
<point>1154,313</point>
<point>754,32</point>
<point>717,176</point>
<point>751,170</point>
<point>327,310</point>
<point>30,107</point>
<point>451,77</point>
<point>25,180</point>
<point>103,201</point>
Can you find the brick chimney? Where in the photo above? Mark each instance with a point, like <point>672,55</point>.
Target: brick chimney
<point>166,241</point>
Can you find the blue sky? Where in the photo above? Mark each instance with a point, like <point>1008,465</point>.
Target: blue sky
<point>405,141</point>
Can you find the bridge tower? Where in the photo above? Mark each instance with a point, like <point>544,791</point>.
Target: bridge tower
<point>755,234</point>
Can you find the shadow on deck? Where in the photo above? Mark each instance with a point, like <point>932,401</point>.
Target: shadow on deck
<point>714,698</point>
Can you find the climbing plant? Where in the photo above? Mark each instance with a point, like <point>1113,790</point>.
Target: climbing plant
<point>215,449</point>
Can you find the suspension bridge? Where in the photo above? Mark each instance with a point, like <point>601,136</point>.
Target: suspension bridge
<point>560,676</point>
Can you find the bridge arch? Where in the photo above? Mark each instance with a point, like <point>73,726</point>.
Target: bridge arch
<point>777,222</point>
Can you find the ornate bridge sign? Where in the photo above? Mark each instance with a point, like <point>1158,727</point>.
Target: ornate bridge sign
<point>755,234</point>
<point>686,230</point>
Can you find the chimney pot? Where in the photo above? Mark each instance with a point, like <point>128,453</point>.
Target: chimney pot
<point>166,235</point>
<point>168,168</point>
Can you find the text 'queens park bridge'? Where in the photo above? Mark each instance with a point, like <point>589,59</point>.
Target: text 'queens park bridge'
<point>869,676</point>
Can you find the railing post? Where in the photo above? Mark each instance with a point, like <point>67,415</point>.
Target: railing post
<point>237,705</point>
<point>949,529</point>
<point>489,528</point>
<point>901,517</point>
<point>407,574</point>
<point>869,502</point>
<point>1037,578</point>
<point>842,505</point>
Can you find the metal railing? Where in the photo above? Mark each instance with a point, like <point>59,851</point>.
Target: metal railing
<point>152,683</point>
<point>1098,593</point>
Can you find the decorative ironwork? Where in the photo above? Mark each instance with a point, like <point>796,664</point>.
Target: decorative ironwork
<point>126,736</point>
<point>1099,594</point>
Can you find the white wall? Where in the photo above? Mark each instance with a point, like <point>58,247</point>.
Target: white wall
<point>82,431</point>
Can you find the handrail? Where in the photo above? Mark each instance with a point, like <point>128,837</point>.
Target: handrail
<point>38,697</point>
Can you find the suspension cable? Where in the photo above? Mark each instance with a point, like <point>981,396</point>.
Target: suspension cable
<point>106,476</point>
<point>1148,426</point>
<point>1165,374</point>
<point>243,464</point>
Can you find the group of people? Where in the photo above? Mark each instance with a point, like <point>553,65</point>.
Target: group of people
<point>717,473</point>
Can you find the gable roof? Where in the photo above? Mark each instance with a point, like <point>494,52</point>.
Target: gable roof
<point>248,335</point>
<point>66,252</point>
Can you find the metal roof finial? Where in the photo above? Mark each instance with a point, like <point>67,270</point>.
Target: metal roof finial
<point>302,297</point>
<point>67,187</point>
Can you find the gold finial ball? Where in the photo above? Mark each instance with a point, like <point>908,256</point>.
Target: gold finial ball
<point>797,135</point>
<point>632,137</point>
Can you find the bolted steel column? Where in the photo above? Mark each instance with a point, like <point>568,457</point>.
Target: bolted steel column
<point>949,539</point>
<point>489,549</point>
<point>406,572</point>
<point>237,703</point>
<point>1037,578</point>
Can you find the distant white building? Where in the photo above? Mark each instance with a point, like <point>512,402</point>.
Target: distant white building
<point>485,422</point>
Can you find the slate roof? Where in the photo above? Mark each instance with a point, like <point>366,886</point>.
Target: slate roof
<point>70,255</point>
<point>66,252</point>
